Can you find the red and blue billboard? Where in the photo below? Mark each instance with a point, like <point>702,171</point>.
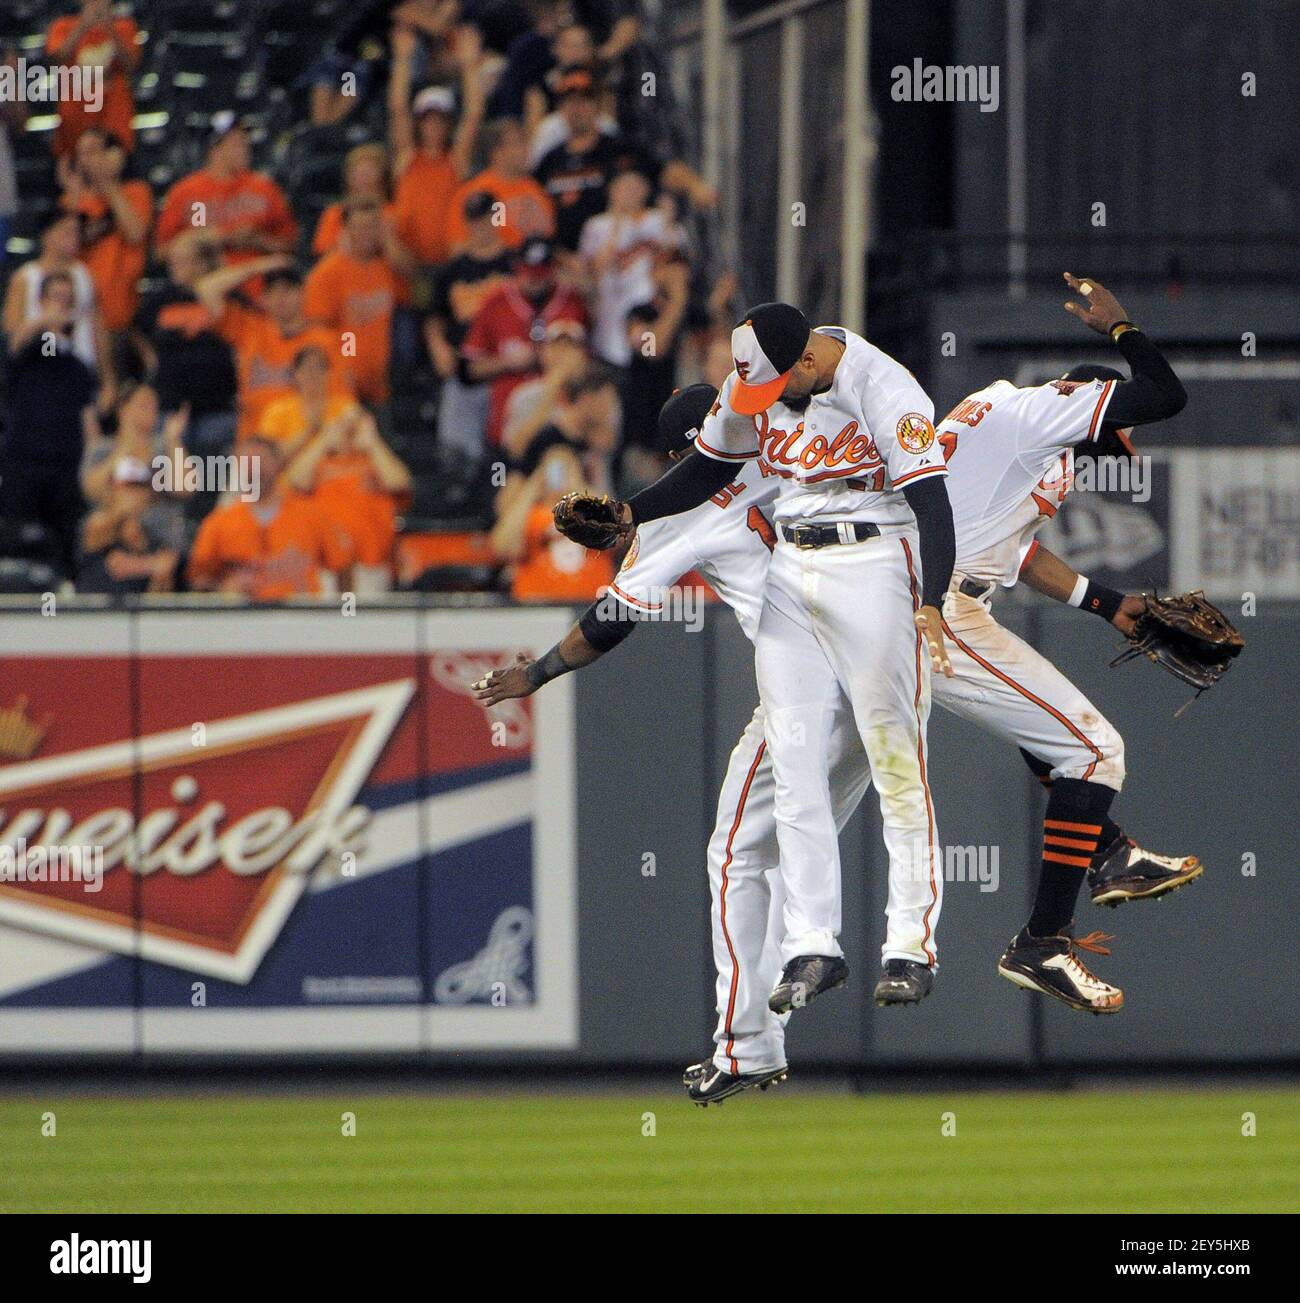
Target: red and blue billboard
<point>296,831</point>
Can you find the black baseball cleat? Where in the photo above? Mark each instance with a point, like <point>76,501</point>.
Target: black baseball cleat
<point>713,1085</point>
<point>1052,965</point>
<point>904,981</point>
<point>1124,871</point>
<point>806,977</point>
<point>697,1070</point>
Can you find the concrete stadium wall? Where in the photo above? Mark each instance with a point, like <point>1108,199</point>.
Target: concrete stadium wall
<point>1203,973</point>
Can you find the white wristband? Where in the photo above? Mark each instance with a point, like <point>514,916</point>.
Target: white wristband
<point>1080,587</point>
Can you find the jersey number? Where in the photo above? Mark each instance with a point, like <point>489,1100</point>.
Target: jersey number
<point>968,412</point>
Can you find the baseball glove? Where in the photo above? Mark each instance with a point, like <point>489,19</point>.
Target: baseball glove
<point>594,522</point>
<point>1188,636</point>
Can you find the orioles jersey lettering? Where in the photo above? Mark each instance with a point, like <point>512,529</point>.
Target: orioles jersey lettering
<point>844,452</point>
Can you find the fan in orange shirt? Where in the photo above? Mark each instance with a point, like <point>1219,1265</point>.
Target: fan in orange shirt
<point>266,340</point>
<point>431,150</point>
<point>353,291</point>
<point>95,40</point>
<point>115,217</point>
<point>547,567</point>
<point>359,482</point>
<point>246,212</point>
<point>365,176</point>
<point>273,547</point>
<point>526,208</point>
<point>297,417</point>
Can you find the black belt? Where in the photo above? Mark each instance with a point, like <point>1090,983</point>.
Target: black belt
<point>827,535</point>
<point>973,588</point>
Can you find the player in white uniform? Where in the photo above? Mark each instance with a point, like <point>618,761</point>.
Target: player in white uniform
<point>729,538</point>
<point>1011,454</point>
<point>862,559</point>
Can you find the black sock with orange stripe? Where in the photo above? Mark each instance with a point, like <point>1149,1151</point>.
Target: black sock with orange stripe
<point>1076,825</point>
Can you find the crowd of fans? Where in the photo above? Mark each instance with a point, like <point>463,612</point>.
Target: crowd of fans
<point>505,284</point>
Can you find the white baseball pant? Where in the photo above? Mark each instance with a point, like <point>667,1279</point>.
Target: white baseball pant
<point>747,893</point>
<point>837,623</point>
<point>1002,684</point>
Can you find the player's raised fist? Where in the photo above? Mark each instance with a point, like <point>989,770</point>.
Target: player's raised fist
<point>1100,309</point>
<point>930,623</point>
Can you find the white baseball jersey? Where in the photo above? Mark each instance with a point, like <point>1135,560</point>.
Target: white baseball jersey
<point>831,466</point>
<point>729,539</point>
<point>1010,452</point>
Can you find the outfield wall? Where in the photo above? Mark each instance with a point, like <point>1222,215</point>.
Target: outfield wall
<point>337,852</point>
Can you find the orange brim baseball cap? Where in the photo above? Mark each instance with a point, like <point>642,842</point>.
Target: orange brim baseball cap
<point>765,347</point>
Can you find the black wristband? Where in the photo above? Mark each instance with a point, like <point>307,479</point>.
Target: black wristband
<point>1101,600</point>
<point>548,667</point>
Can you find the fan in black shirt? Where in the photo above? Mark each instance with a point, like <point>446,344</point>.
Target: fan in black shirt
<point>577,173</point>
<point>188,360</point>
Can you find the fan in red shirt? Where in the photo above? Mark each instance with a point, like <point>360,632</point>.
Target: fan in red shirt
<point>505,338</point>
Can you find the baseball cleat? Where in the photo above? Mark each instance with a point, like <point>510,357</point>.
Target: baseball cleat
<point>714,1085</point>
<point>1127,872</point>
<point>904,981</point>
<point>806,977</point>
<point>697,1070</point>
<point>1052,965</point>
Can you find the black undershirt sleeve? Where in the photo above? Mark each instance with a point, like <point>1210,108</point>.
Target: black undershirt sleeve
<point>928,498</point>
<point>1153,394</point>
<point>694,480</point>
<point>605,623</point>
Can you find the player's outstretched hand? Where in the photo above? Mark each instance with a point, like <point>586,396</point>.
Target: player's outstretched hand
<point>930,623</point>
<point>1100,309</point>
<point>502,685</point>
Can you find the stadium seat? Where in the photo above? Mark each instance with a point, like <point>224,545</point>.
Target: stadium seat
<point>195,22</point>
<point>22,575</point>
<point>454,579</point>
<point>27,557</point>
<point>20,20</point>
<point>295,34</point>
<point>443,556</point>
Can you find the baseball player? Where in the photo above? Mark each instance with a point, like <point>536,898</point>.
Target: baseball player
<point>730,539</point>
<point>1010,452</point>
<point>863,553</point>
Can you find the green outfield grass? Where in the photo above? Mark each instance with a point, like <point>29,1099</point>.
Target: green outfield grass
<point>1142,1150</point>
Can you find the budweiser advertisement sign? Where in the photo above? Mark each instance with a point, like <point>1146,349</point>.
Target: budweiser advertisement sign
<point>230,821</point>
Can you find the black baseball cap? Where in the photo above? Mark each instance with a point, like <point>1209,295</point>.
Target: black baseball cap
<point>477,204</point>
<point>765,347</point>
<point>682,415</point>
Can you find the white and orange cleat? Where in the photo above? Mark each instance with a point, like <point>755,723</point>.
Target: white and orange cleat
<point>1124,871</point>
<point>1052,965</point>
